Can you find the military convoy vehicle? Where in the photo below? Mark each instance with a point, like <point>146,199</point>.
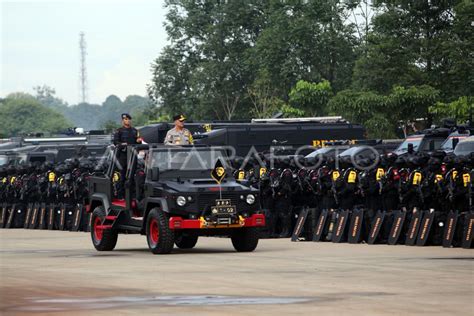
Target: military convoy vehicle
<point>19,150</point>
<point>465,147</point>
<point>261,134</point>
<point>173,195</point>
<point>54,153</point>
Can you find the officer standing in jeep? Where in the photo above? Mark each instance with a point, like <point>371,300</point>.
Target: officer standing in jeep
<point>125,135</point>
<point>178,135</point>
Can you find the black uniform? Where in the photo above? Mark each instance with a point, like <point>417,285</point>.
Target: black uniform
<point>129,136</point>
<point>126,135</point>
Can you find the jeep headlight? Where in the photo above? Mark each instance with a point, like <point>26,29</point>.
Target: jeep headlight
<point>250,199</point>
<point>181,200</point>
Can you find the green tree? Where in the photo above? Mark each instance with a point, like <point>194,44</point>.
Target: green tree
<point>47,97</point>
<point>311,97</point>
<point>461,109</point>
<point>408,104</point>
<point>366,108</point>
<point>418,43</point>
<point>288,111</point>
<point>27,115</point>
<point>110,126</point>
<point>220,50</point>
<point>85,115</point>
<point>263,96</point>
<point>458,51</point>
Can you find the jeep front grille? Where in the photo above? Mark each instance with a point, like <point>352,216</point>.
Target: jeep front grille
<point>206,200</point>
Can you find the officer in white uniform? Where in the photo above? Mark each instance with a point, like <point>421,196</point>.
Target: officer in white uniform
<point>178,135</point>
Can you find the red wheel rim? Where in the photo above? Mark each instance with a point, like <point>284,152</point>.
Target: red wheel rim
<point>97,230</point>
<point>154,231</point>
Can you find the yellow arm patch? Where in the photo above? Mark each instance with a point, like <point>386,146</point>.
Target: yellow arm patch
<point>454,174</point>
<point>379,174</point>
<point>116,176</point>
<point>466,179</point>
<point>416,178</point>
<point>51,177</point>
<point>352,177</point>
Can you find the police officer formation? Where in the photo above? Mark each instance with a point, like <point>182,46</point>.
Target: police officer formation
<point>55,196</point>
<point>46,196</point>
<point>412,199</point>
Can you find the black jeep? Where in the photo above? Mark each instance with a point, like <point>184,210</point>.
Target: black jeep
<point>170,196</point>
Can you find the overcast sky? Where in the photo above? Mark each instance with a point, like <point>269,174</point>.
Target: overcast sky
<point>40,45</point>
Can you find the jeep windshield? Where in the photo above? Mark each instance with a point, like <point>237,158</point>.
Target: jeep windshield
<point>187,160</point>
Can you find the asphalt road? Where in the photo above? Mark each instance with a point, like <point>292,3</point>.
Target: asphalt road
<point>51,272</point>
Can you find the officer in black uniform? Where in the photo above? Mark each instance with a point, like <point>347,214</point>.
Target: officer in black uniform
<point>125,135</point>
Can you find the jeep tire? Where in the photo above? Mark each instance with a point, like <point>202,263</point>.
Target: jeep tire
<point>103,239</point>
<point>245,239</point>
<point>159,236</point>
<point>185,241</point>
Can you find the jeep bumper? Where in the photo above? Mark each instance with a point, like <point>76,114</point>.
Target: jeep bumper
<point>176,222</point>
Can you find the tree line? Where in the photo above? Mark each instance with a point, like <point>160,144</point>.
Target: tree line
<point>43,112</point>
<point>384,64</point>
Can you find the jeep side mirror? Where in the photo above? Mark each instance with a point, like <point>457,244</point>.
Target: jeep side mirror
<point>155,174</point>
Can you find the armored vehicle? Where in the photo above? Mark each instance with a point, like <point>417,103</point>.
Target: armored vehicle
<point>425,141</point>
<point>173,195</point>
<point>261,134</point>
<point>465,147</point>
<point>54,153</point>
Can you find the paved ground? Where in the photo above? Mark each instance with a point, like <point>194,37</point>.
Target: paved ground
<point>51,272</point>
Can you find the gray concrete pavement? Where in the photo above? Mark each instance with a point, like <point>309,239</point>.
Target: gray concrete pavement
<point>51,272</point>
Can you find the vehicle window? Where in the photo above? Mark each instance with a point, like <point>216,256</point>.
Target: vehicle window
<point>448,143</point>
<point>3,160</point>
<point>413,140</point>
<point>464,148</point>
<point>426,145</point>
<point>38,159</point>
<point>321,151</point>
<point>349,152</point>
<point>187,159</point>
<point>21,159</point>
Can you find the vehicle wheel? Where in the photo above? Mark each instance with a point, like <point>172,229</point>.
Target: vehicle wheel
<point>159,236</point>
<point>103,239</point>
<point>245,239</point>
<point>185,241</point>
